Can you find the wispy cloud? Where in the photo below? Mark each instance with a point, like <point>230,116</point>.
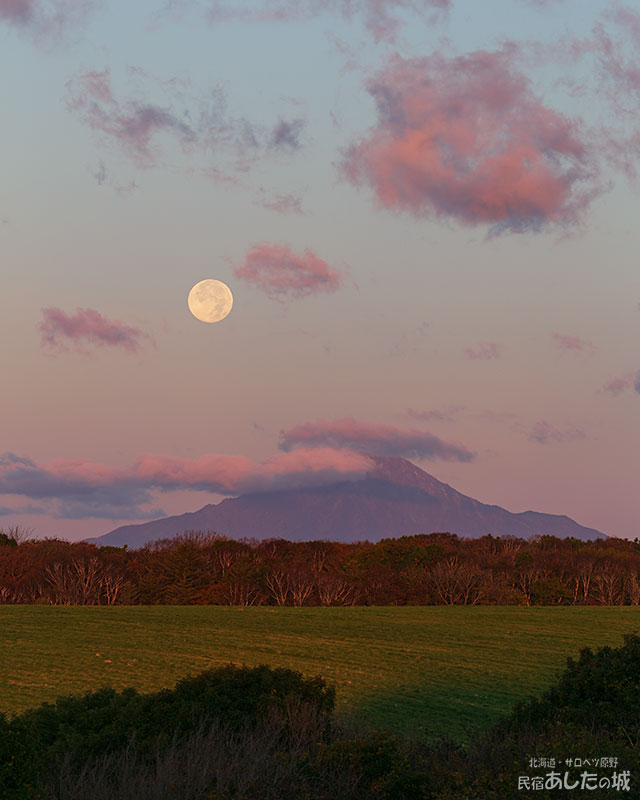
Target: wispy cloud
<point>280,203</point>
<point>16,511</point>
<point>280,273</point>
<point>286,135</point>
<point>372,438</point>
<point>574,344</point>
<point>382,18</point>
<point>435,415</point>
<point>199,124</point>
<point>485,351</point>
<point>409,342</point>
<point>542,3</point>
<point>545,433</point>
<point>47,20</point>
<point>601,70</point>
<point>618,385</point>
<point>622,383</point>
<point>466,139</point>
<point>88,328</point>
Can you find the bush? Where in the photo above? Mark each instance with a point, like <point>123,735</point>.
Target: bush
<point>600,691</point>
<point>383,766</point>
<point>81,727</point>
<point>18,762</point>
<point>592,711</point>
<point>237,733</point>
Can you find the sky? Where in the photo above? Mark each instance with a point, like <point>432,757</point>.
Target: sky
<point>426,212</point>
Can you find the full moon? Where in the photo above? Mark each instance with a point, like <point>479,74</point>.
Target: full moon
<point>210,300</point>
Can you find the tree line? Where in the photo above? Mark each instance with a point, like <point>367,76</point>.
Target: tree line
<point>423,569</point>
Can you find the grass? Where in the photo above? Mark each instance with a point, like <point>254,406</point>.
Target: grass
<point>448,670</point>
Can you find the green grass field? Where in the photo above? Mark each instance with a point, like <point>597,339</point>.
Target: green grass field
<point>443,669</point>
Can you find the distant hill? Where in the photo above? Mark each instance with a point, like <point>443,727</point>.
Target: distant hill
<point>396,498</point>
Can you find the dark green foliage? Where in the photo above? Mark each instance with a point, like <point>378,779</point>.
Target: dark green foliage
<point>592,711</point>
<point>600,691</point>
<point>383,767</point>
<point>241,694</point>
<point>87,726</point>
<point>263,734</point>
<point>18,761</point>
<point>7,541</point>
<point>101,722</point>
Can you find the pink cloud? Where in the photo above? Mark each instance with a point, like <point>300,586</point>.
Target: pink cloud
<point>618,385</point>
<point>44,18</point>
<point>237,474</point>
<point>279,272</point>
<point>87,327</point>
<point>133,125</point>
<point>281,203</point>
<point>484,351</point>
<point>80,488</point>
<point>372,438</point>
<point>467,139</point>
<point>20,11</point>
<point>201,126</point>
<point>434,415</point>
<point>542,3</point>
<point>617,59</point>
<point>566,341</point>
<point>217,176</point>
<point>613,82</point>
<point>380,16</point>
<point>545,433</point>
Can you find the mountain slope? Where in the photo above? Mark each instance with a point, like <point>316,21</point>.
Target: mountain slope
<point>394,499</point>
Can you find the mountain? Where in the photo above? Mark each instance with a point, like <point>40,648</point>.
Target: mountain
<point>395,498</point>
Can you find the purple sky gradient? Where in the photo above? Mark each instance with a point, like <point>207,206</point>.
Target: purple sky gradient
<point>425,210</point>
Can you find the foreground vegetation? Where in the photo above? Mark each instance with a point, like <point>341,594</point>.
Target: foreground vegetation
<point>433,569</point>
<point>447,670</point>
<point>264,734</point>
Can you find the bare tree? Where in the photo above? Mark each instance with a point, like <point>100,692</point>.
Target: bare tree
<point>632,586</point>
<point>238,591</point>
<point>19,533</point>
<point>78,583</point>
<point>301,582</point>
<point>111,584</point>
<point>59,578</point>
<point>86,580</point>
<point>335,590</point>
<point>582,580</point>
<point>609,585</point>
<point>524,581</point>
<point>457,583</point>
<point>276,581</point>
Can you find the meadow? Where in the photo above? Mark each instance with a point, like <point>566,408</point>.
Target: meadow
<point>441,669</point>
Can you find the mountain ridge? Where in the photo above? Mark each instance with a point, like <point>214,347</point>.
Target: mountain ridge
<point>394,498</point>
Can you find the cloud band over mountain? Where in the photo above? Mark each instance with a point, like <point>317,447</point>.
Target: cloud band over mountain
<point>372,438</point>
<point>82,488</point>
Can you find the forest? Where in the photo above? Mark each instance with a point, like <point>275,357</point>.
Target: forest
<point>423,569</point>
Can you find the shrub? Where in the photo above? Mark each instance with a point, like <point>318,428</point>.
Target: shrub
<point>237,733</point>
<point>18,762</point>
<point>101,722</point>
<point>592,711</point>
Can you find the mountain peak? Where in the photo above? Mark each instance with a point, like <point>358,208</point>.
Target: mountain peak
<point>395,498</point>
<point>399,470</point>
